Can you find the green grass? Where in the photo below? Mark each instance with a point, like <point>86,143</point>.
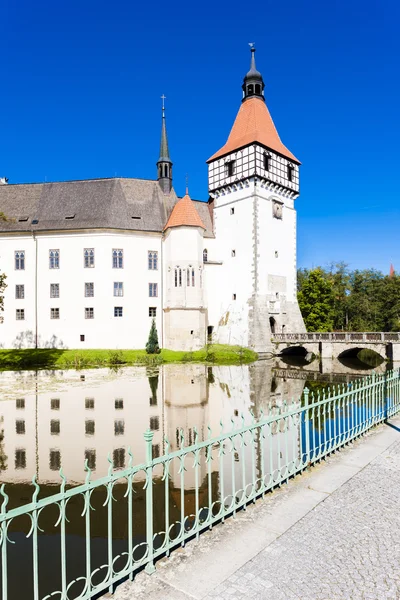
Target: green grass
<point>44,358</point>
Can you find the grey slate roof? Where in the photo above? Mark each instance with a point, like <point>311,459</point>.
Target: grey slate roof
<point>90,204</point>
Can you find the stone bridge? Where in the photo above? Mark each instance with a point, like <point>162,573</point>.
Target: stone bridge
<point>338,344</point>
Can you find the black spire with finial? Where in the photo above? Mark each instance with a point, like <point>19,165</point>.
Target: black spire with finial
<point>253,84</point>
<point>164,163</point>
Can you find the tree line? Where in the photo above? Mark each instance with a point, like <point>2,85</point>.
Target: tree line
<point>339,299</point>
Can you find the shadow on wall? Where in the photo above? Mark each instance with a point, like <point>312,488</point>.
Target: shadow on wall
<point>26,339</point>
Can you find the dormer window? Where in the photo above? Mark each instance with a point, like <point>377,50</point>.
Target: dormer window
<point>230,168</point>
<point>267,161</point>
<point>290,171</point>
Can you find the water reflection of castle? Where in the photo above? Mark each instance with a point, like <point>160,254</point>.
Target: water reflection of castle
<point>63,418</point>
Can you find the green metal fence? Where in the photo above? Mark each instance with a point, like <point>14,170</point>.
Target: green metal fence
<point>226,472</point>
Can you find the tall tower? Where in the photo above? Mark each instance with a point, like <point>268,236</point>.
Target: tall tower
<point>253,181</point>
<point>164,163</point>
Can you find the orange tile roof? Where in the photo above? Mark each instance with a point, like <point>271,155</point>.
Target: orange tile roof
<point>184,213</point>
<point>253,123</point>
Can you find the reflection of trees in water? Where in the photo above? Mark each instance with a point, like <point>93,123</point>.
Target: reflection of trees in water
<point>3,456</point>
<point>153,381</point>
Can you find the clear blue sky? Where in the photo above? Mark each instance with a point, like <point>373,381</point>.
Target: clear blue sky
<point>80,98</point>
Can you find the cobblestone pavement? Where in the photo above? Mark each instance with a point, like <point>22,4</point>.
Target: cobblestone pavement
<point>347,548</point>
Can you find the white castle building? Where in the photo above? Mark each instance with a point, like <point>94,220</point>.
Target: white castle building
<point>90,263</point>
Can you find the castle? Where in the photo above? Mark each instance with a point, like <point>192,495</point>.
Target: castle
<point>90,263</point>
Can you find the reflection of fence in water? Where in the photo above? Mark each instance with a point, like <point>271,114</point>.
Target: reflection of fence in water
<point>83,540</point>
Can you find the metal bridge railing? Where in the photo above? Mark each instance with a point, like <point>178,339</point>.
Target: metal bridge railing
<point>339,336</point>
<point>197,486</point>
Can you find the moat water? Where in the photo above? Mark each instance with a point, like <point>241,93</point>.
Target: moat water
<point>54,419</point>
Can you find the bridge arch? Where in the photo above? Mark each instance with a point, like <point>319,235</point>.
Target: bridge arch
<point>365,357</point>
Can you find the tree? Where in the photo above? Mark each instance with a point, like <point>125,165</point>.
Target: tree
<point>152,343</point>
<point>316,301</point>
<point>3,286</point>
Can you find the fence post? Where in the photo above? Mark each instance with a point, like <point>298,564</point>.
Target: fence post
<point>307,425</point>
<point>148,436</point>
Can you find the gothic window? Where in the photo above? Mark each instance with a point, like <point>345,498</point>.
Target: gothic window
<point>205,255</point>
<point>188,277</point>
<point>54,313</point>
<point>230,168</point>
<point>54,290</point>
<point>20,292</point>
<point>153,290</point>
<point>20,260</point>
<point>118,288</point>
<point>267,161</point>
<point>290,171</point>
<point>193,280</point>
<point>118,311</point>
<point>178,277</point>
<point>118,258</point>
<point>88,258</point>
<point>153,261</point>
<point>89,290</point>
<point>54,259</point>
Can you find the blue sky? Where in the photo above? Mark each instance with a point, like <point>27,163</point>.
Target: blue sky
<point>81,85</point>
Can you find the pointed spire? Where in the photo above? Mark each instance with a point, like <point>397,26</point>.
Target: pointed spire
<point>253,84</point>
<point>164,163</point>
<point>392,271</point>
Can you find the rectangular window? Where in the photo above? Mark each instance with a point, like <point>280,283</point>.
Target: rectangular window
<point>90,457</point>
<point>20,314</point>
<point>82,338</point>
<point>89,313</point>
<point>20,292</point>
<point>118,288</point>
<point>152,311</point>
<point>153,291</point>
<point>20,426</point>
<point>153,260</point>
<point>290,173</point>
<point>118,259</point>
<point>20,458</point>
<point>230,168</point>
<point>55,460</point>
<point>119,458</point>
<point>154,423</point>
<point>54,290</point>
<point>89,403</point>
<point>233,253</point>
<point>266,161</point>
<point>119,403</point>
<point>89,290</point>
<point>55,427</point>
<point>20,403</point>
<point>232,211</point>
<point>233,296</point>
<point>88,258</point>
<point>118,311</point>
<point>55,403</point>
<point>54,313</point>
<point>119,427</point>
<point>155,451</point>
<point>19,260</point>
<point>54,259</point>
<point>89,427</point>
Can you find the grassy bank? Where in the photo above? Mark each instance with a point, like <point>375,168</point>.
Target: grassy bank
<point>52,358</point>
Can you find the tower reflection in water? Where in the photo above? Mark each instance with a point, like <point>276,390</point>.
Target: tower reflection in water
<point>63,419</point>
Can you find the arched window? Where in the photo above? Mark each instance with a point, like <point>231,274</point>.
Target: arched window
<point>180,277</point>
<point>188,277</point>
<point>250,90</point>
<point>193,281</point>
<point>54,259</point>
<point>272,324</point>
<point>205,255</point>
<point>258,89</point>
<point>176,277</point>
<point>165,170</point>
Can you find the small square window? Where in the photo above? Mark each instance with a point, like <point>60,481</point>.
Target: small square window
<point>118,311</point>
<point>19,292</point>
<point>154,423</point>
<point>153,290</point>
<point>20,458</point>
<point>54,290</point>
<point>233,253</point>
<point>89,427</point>
<point>20,403</point>
<point>233,296</point>
<point>89,290</point>
<point>118,288</point>
<point>119,403</point>
<point>119,427</point>
<point>55,427</point>
<point>82,337</point>
<point>20,426</point>
<point>55,460</point>
<point>119,458</point>
<point>90,457</point>
<point>54,259</point>
<point>55,403</point>
<point>88,258</point>
<point>152,311</point>
<point>89,313</point>
<point>89,403</point>
<point>20,314</point>
<point>54,313</point>
<point>232,211</point>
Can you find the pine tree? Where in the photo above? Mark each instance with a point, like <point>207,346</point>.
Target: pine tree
<point>152,343</point>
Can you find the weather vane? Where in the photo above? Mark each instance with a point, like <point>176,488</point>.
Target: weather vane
<point>187,183</point>
<point>251,44</point>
